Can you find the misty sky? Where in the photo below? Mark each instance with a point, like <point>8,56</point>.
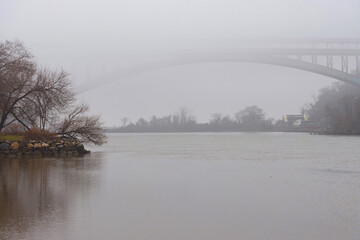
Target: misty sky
<point>95,40</point>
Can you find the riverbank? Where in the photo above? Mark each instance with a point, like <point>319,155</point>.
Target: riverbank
<point>54,148</point>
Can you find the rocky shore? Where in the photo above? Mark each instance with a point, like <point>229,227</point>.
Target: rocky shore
<point>55,148</point>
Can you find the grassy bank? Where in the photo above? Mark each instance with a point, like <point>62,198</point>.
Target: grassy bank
<point>5,137</point>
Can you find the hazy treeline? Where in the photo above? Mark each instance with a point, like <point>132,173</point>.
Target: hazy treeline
<point>251,118</point>
<point>337,107</point>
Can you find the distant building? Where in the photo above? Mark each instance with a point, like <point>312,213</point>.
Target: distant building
<point>294,120</point>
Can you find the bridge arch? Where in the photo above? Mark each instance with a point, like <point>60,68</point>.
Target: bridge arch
<point>227,57</point>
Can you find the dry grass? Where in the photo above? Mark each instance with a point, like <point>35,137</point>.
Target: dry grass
<point>38,134</point>
<point>6,137</point>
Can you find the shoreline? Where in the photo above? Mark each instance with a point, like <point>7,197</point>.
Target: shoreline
<point>39,149</point>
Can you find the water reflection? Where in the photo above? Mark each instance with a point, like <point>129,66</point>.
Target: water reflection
<point>36,190</point>
<point>188,186</point>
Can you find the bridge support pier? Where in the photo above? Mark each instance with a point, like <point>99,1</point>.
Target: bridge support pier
<point>344,64</point>
<point>314,59</point>
<point>329,61</point>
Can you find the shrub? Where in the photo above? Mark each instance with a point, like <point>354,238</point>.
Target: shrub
<point>39,134</point>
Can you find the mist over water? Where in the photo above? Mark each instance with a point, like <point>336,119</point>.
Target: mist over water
<point>189,186</point>
<point>96,41</point>
<point>145,59</point>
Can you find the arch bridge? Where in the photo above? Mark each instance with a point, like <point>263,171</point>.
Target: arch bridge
<point>335,58</point>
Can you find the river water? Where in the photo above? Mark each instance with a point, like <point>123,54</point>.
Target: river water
<point>179,186</point>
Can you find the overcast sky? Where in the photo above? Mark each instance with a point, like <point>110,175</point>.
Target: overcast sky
<point>95,40</point>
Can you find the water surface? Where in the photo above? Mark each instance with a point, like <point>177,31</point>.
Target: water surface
<point>188,186</point>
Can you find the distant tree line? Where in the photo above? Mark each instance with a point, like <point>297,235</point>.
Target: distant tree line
<point>33,97</point>
<point>251,118</point>
<point>336,108</point>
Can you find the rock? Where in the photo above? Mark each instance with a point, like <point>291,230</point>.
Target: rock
<point>37,145</point>
<point>45,145</point>
<point>81,149</point>
<point>14,146</point>
<point>22,144</point>
<point>42,149</point>
<point>4,146</point>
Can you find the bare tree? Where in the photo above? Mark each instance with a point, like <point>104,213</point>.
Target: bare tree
<point>77,125</point>
<point>28,95</point>
<point>37,97</point>
<point>251,118</point>
<point>17,71</point>
<point>216,118</point>
<point>124,121</point>
<point>184,116</point>
<point>336,108</point>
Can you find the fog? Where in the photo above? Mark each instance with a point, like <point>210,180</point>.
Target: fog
<point>96,40</point>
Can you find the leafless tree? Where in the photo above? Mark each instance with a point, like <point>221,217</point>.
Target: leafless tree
<point>337,107</point>
<point>78,125</point>
<point>36,97</point>
<point>124,121</point>
<point>184,116</point>
<point>29,95</point>
<point>216,118</point>
<point>17,71</point>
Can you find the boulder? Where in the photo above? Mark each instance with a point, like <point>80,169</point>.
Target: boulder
<point>45,145</point>
<point>37,145</point>
<point>14,146</point>
<point>4,146</point>
<point>81,149</point>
